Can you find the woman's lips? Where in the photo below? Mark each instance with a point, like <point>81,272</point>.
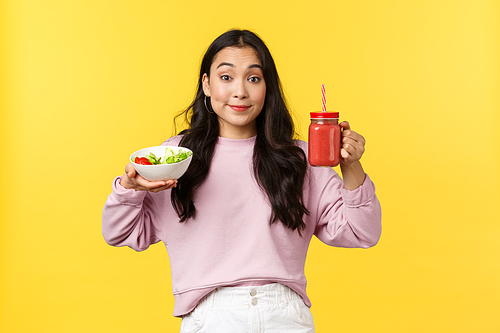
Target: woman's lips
<point>239,108</point>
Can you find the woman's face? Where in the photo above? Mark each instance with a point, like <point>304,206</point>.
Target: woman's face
<point>237,91</point>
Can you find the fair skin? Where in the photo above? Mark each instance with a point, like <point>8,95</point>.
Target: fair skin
<point>237,92</point>
<point>353,147</point>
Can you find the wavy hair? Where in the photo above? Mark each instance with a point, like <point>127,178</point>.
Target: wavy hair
<point>279,166</point>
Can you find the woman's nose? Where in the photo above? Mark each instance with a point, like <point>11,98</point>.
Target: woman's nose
<point>240,90</point>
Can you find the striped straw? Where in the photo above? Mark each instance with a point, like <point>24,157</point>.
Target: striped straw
<point>324,97</point>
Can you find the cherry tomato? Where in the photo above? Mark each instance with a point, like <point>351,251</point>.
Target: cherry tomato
<point>142,160</point>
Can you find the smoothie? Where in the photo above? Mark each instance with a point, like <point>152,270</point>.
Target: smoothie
<point>324,139</point>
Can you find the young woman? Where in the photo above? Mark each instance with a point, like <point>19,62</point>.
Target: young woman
<point>238,223</point>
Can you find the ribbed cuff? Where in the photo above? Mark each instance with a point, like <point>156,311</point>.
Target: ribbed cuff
<point>127,196</point>
<point>360,196</point>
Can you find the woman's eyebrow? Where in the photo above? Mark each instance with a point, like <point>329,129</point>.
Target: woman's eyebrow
<point>226,64</point>
<point>256,66</point>
<point>232,65</point>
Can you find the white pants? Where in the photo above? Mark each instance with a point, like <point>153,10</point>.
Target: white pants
<point>271,308</point>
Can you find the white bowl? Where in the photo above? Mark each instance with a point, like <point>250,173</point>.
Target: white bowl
<point>160,171</point>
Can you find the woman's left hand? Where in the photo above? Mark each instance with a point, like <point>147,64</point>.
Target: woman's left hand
<point>352,145</point>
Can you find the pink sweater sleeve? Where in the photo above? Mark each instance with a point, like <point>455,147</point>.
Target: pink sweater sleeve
<point>352,219</point>
<point>129,217</point>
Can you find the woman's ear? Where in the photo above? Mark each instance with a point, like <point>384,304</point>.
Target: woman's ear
<point>206,86</point>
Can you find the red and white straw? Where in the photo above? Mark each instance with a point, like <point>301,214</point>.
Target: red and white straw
<point>324,97</point>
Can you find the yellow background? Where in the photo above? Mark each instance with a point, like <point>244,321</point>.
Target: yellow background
<point>85,83</point>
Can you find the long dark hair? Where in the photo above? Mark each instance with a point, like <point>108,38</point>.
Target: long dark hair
<point>279,165</point>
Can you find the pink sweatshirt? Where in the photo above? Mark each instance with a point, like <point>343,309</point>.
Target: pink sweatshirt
<point>230,241</point>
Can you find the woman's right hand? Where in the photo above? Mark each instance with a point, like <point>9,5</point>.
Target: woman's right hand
<point>132,180</point>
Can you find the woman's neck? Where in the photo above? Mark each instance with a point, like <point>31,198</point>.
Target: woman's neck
<point>240,132</point>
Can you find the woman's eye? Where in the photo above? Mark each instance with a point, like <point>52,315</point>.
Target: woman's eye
<point>254,79</point>
<point>225,77</point>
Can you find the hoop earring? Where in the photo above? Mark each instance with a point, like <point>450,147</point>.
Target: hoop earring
<point>206,107</point>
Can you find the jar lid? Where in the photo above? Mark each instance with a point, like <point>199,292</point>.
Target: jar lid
<point>330,115</point>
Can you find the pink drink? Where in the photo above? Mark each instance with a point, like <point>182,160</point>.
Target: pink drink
<point>324,139</point>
